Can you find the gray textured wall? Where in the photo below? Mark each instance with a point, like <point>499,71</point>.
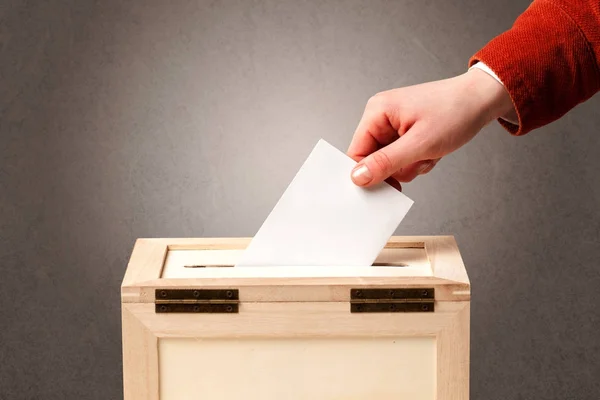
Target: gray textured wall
<point>124,119</point>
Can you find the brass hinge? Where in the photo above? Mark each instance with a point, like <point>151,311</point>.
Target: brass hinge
<point>392,300</point>
<point>197,300</point>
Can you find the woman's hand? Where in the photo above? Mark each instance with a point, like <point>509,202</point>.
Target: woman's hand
<point>404,132</point>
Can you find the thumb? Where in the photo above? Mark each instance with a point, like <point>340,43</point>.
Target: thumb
<point>385,162</point>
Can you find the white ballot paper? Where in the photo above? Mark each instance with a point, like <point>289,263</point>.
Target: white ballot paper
<point>324,219</point>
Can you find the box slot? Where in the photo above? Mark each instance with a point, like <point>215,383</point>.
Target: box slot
<point>184,263</point>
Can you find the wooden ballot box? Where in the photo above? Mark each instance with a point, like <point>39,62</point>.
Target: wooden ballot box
<point>195,327</point>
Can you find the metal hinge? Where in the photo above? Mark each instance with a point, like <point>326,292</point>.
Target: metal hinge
<point>392,300</point>
<point>197,301</point>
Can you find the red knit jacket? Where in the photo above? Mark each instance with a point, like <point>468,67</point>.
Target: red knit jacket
<point>549,61</point>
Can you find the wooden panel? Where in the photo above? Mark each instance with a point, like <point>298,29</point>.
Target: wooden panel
<point>145,264</point>
<point>300,306</point>
<point>297,325</point>
<point>298,369</point>
<point>208,243</point>
<point>302,290</point>
<point>242,243</point>
<point>445,258</point>
<point>453,357</point>
<point>140,359</point>
<point>293,272</point>
<point>272,320</point>
<point>442,262</point>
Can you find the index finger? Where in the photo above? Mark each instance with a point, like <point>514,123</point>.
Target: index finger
<point>373,132</point>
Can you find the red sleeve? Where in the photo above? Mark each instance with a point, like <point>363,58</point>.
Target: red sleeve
<point>548,61</point>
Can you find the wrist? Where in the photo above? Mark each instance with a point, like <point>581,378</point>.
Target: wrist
<point>492,97</point>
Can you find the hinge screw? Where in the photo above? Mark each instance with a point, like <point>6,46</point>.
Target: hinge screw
<point>196,293</point>
<point>425,292</point>
<point>163,308</point>
<point>163,293</point>
<point>196,308</point>
<point>358,293</point>
<point>229,293</point>
<point>229,309</point>
<point>424,307</point>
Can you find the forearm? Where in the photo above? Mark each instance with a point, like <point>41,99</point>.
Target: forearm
<point>548,61</point>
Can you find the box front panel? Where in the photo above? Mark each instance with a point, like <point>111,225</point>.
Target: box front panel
<point>298,368</point>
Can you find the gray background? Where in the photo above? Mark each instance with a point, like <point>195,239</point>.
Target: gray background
<point>121,120</point>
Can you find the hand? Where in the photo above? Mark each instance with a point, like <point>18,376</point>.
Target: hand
<point>404,132</point>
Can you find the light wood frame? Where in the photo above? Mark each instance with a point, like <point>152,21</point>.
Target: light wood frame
<point>293,315</point>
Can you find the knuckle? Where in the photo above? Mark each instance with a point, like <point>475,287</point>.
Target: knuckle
<point>377,100</point>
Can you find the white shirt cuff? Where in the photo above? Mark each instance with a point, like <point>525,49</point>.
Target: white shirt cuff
<point>486,69</point>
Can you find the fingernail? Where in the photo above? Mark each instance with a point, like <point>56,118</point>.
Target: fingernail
<point>361,175</point>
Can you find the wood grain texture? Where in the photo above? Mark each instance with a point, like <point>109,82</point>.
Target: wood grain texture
<point>431,261</point>
<point>453,357</point>
<point>143,328</point>
<point>220,243</point>
<point>310,319</point>
<point>299,303</point>
<point>140,359</point>
<point>301,290</point>
<point>146,261</point>
<point>241,243</point>
<point>445,258</point>
<point>333,368</point>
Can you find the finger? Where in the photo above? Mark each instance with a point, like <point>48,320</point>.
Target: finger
<point>410,172</point>
<point>394,183</point>
<point>432,164</point>
<point>383,163</point>
<point>373,131</point>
